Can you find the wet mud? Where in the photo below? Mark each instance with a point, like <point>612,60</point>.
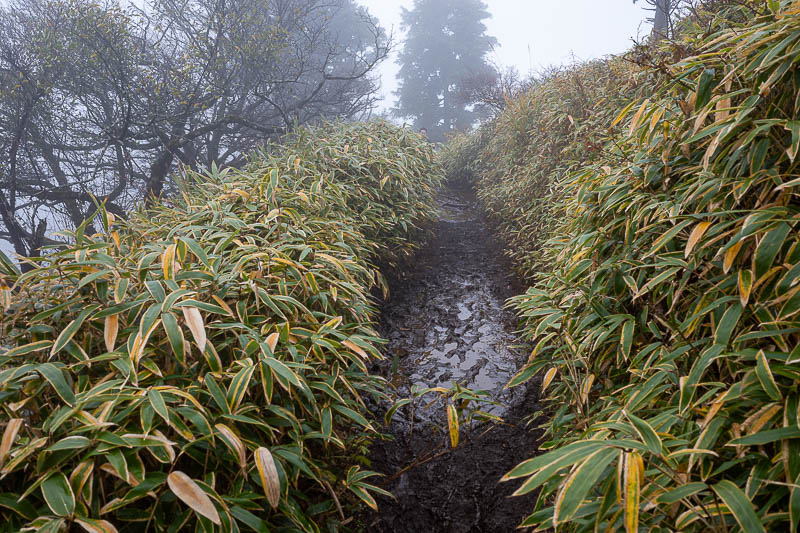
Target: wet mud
<point>446,324</point>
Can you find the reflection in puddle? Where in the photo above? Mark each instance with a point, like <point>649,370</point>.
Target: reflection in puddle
<point>446,324</point>
<point>449,317</point>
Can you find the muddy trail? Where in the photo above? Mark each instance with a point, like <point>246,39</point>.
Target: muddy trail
<point>446,324</point>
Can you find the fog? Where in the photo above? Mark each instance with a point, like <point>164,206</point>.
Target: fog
<point>323,62</point>
<point>534,34</point>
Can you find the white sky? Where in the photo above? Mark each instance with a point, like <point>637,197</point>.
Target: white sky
<point>535,33</point>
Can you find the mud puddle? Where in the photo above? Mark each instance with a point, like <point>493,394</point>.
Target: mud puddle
<point>446,324</point>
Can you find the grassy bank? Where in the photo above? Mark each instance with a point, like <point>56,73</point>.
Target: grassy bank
<point>203,365</point>
<point>660,230</point>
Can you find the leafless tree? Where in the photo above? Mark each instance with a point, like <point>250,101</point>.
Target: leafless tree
<point>100,103</point>
<point>666,13</point>
<point>491,90</point>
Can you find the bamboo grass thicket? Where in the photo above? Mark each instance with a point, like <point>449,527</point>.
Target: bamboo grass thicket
<point>666,324</point>
<point>204,364</point>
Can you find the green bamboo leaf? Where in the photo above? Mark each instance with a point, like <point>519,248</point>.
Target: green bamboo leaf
<point>23,508</point>
<point>766,437</point>
<point>681,492</point>
<point>58,494</point>
<point>791,307</point>
<point>55,377</point>
<point>158,404</point>
<point>789,280</point>
<point>352,415</point>
<point>387,419</point>
<point>794,507</point>
<point>327,423</point>
<point>250,520</point>
<point>364,495</point>
<point>696,373</point>
<point>28,348</point>
<point>794,127</point>
<point>75,442</point>
<point>174,335</point>
<point>211,308</point>
<point>570,453</point>
<point>766,378</point>
<point>72,328</point>
<point>705,83</point>
<point>739,505</point>
<point>197,250</point>
<point>575,489</point>
<point>8,266</point>
<point>667,237</point>
<point>120,289</point>
<point>654,282</point>
<point>117,460</point>
<point>279,367</point>
<point>120,308</point>
<point>216,393</point>
<point>627,338</point>
<point>156,290</point>
<point>727,323</point>
<point>647,433</point>
<point>239,385</point>
<point>768,249</point>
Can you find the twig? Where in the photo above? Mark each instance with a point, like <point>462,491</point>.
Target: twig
<point>335,498</point>
<point>415,464</point>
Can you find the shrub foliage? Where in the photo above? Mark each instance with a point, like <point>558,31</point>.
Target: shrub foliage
<point>544,134</point>
<point>204,364</point>
<point>667,328</point>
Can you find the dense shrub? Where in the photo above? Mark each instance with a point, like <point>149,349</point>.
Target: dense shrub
<point>460,157</point>
<point>206,361</point>
<point>668,323</point>
<point>521,157</point>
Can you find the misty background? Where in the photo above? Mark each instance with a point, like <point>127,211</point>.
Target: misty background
<point>528,36</point>
<point>532,34</point>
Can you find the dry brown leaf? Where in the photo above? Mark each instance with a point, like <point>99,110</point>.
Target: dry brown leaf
<point>356,349</point>
<point>12,428</point>
<point>192,495</point>
<point>140,342</point>
<point>586,388</point>
<point>730,256</point>
<point>168,262</point>
<point>697,234</point>
<point>272,341</point>
<point>231,437</point>
<point>110,331</point>
<point>269,476</point>
<point>195,322</point>
<point>548,377</point>
<point>96,526</point>
<point>5,297</point>
<point>223,304</point>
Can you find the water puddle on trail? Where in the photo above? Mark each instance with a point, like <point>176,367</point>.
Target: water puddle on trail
<point>446,324</point>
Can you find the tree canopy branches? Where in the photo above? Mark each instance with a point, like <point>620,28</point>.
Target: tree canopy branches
<point>446,45</point>
<point>100,103</point>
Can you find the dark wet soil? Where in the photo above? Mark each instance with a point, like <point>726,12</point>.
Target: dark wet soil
<point>446,324</point>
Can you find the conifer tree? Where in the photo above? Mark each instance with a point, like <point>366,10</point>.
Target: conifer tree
<point>446,44</point>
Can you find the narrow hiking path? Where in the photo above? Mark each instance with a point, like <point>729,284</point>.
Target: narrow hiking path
<point>446,323</point>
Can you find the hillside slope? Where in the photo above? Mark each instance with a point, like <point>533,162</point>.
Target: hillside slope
<point>205,362</point>
<point>657,215</point>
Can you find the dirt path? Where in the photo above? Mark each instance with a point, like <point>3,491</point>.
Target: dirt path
<point>445,323</point>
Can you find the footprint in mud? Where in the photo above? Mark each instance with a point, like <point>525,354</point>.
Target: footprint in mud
<point>447,318</point>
